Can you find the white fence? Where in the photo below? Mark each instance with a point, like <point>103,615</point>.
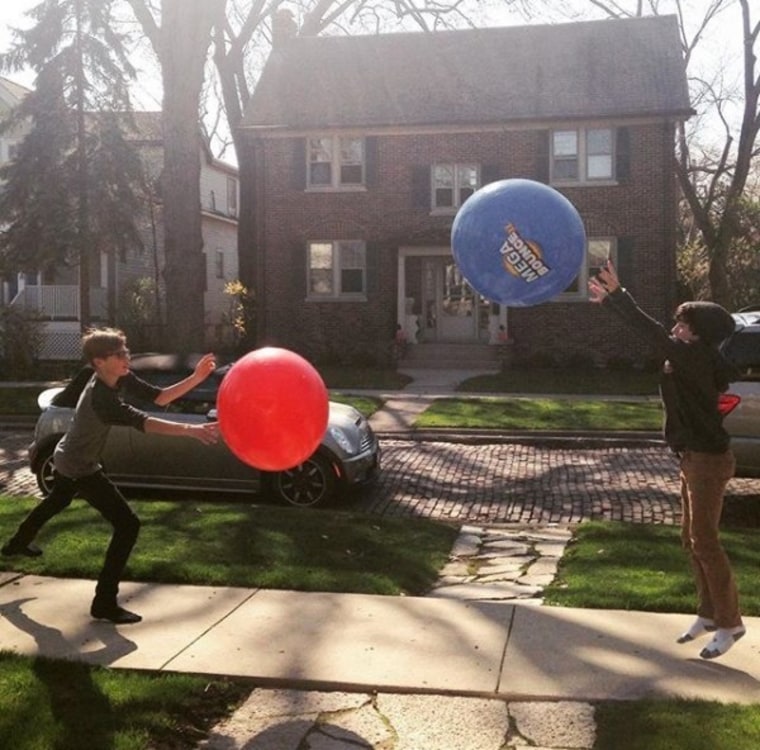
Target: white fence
<point>58,301</point>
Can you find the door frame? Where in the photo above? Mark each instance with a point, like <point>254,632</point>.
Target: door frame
<point>411,324</point>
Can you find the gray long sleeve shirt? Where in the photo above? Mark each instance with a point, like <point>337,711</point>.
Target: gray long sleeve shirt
<point>99,407</point>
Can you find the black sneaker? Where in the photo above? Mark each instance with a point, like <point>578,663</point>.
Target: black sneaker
<point>14,549</point>
<point>114,613</point>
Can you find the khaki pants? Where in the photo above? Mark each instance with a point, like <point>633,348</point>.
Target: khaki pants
<point>704,477</point>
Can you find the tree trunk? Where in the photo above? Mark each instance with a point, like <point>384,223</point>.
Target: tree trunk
<point>83,187</point>
<point>185,37</point>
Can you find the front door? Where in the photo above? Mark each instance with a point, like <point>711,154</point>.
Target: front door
<point>451,307</point>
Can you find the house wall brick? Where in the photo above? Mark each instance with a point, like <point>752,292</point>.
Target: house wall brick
<point>390,214</point>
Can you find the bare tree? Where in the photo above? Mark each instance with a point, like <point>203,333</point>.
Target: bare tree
<point>713,188</point>
<point>180,34</point>
<point>712,172</point>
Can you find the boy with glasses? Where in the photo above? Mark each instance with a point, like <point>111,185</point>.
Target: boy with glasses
<point>77,457</point>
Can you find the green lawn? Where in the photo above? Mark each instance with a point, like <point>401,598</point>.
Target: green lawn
<point>60,705</point>
<point>19,400</point>
<point>342,380</point>
<point>367,405</point>
<point>676,725</point>
<point>565,381</point>
<point>643,567</point>
<point>542,414</point>
<point>239,544</point>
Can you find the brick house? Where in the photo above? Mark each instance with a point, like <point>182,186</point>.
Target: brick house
<point>364,147</point>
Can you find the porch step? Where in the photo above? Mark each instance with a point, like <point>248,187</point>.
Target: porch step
<point>443,356</point>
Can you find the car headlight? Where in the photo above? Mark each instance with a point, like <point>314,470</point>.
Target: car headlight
<point>342,440</point>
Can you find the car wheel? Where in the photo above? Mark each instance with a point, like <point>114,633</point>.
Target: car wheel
<point>44,473</point>
<point>306,485</point>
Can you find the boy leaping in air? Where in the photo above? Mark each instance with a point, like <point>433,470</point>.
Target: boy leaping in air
<point>693,375</point>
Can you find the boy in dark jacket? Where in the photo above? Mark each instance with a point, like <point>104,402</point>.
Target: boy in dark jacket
<point>694,373</point>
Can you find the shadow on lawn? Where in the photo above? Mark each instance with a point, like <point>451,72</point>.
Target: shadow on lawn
<point>741,511</point>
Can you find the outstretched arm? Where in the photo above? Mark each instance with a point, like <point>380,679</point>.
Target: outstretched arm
<point>605,289</point>
<point>207,432</point>
<point>206,365</point>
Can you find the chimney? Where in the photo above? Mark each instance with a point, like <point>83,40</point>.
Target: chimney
<point>284,27</point>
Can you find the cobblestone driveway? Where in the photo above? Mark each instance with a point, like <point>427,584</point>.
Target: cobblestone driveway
<point>492,483</point>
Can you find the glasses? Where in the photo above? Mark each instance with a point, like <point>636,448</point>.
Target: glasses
<point>120,353</point>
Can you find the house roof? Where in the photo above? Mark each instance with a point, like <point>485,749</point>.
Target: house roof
<point>610,68</point>
<point>11,93</point>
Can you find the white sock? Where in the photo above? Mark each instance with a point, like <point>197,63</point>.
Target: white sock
<point>722,641</point>
<point>700,626</point>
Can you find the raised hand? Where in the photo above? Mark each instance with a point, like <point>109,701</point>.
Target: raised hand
<point>605,282</point>
<point>206,365</point>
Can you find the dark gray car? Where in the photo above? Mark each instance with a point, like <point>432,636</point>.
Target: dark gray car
<point>348,456</point>
<point>742,402</point>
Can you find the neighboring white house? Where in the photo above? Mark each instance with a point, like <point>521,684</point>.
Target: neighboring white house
<point>56,299</point>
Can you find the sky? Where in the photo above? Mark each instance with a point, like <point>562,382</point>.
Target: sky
<point>715,52</point>
<point>147,96</point>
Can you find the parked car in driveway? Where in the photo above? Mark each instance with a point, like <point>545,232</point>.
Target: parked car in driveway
<point>741,404</point>
<point>348,455</point>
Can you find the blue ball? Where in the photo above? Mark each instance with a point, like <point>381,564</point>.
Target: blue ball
<point>518,242</point>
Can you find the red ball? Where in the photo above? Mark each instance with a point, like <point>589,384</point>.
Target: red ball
<point>273,409</point>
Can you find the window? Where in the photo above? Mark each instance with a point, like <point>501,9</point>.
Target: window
<point>12,150</point>
<point>598,250</point>
<point>337,269</point>
<point>743,348</point>
<point>453,184</point>
<point>582,155</point>
<point>335,162</point>
<point>219,264</point>
<point>232,197</point>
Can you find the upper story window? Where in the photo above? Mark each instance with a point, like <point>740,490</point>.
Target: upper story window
<point>598,251</point>
<point>11,151</point>
<point>582,155</point>
<point>452,184</point>
<point>335,162</point>
<point>337,269</point>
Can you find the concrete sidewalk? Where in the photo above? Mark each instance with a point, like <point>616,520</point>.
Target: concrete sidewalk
<point>354,642</point>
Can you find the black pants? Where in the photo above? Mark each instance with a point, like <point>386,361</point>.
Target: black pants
<point>98,490</point>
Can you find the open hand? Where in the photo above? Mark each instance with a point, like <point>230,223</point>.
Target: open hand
<point>206,365</point>
<point>207,433</point>
<point>605,282</point>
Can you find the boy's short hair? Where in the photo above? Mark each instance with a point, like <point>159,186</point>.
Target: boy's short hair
<point>102,342</point>
<point>708,320</point>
